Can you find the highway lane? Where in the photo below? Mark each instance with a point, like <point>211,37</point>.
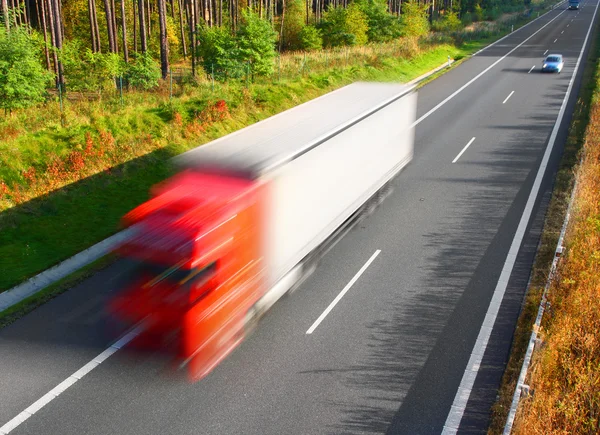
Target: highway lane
<point>394,348</point>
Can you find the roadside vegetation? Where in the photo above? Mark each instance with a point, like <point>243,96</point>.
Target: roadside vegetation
<point>74,158</point>
<point>565,372</point>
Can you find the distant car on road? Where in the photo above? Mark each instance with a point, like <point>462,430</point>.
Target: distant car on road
<point>553,63</point>
<point>573,4</point>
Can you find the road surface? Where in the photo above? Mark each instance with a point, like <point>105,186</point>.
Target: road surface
<point>391,355</point>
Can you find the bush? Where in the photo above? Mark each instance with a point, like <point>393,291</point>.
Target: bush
<point>256,41</point>
<point>356,24</point>
<point>448,23</point>
<point>89,71</point>
<point>143,73</point>
<point>293,25</point>
<point>414,19</point>
<point>219,52</point>
<point>23,80</point>
<point>478,13</point>
<point>227,55</point>
<point>382,26</point>
<point>341,26</point>
<point>310,38</point>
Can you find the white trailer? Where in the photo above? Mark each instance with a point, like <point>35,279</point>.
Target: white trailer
<point>324,163</point>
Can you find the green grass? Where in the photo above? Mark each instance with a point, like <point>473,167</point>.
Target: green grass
<point>38,233</point>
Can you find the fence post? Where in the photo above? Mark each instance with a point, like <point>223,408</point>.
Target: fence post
<point>60,99</point>
<point>121,89</point>
<point>512,28</point>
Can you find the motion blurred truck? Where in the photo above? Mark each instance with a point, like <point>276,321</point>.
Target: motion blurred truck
<point>248,216</point>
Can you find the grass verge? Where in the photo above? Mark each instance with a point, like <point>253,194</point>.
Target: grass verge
<point>578,141</point>
<point>18,310</point>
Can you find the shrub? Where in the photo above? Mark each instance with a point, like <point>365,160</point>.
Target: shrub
<point>311,38</point>
<point>341,26</point>
<point>256,41</point>
<point>293,25</point>
<point>478,13</point>
<point>333,28</point>
<point>89,71</point>
<point>219,52</point>
<point>382,26</point>
<point>448,23</point>
<point>23,80</point>
<point>356,23</point>
<point>414,19</point>
<point>143,72</point>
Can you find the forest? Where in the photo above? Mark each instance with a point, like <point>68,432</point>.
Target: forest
<point>84,45</point>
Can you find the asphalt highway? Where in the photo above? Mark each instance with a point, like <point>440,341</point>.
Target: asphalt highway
<point>392,353</point>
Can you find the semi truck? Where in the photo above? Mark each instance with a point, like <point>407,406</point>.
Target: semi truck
<point>247,217</point>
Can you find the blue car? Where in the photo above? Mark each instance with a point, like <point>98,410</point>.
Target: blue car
<point>553,63</point>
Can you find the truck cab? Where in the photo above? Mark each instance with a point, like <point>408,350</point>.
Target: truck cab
<point>197,267</point>
<point>573,4</point>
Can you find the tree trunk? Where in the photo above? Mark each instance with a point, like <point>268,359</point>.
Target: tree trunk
<point>149,9</point>
<point>109,27</point>
<point>142,14</point>
<point>27,19</point>
<point>5,14</point>
<point>282,21</point>
<point>95,27</point>
<point>42,23</point>
<point>192,25</point>
<point>92,30</point>
<point>124,28</point>
<point>164,42</point>
<point>57,30</point>
<point>183,44</point>
<point>114,25</point>
<point>135,47</point>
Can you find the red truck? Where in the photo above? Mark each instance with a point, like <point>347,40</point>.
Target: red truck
<point>248,216</point>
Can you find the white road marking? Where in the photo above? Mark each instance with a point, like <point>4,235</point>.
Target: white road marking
<point>562,32</point>
<point>556,40</point>
<point>64,385</point>
<point>342,293</point>
<point>463,87</point>
<point>463,150</point>
<point>545,52</point>
<point>531,69</point>
<point>509,95</point>
<point>466,385</point>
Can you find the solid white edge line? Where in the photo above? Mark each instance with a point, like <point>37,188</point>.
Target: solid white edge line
<point>342,293</point>
<point>463,87</point>
<point>64,385</point>
<point>520,28</point>
<point>464,390</point>
<point>531,69</point>
<point>510,95</point>
<point>463,150</point>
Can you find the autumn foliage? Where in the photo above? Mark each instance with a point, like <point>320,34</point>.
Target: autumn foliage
<point>566,373</point>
